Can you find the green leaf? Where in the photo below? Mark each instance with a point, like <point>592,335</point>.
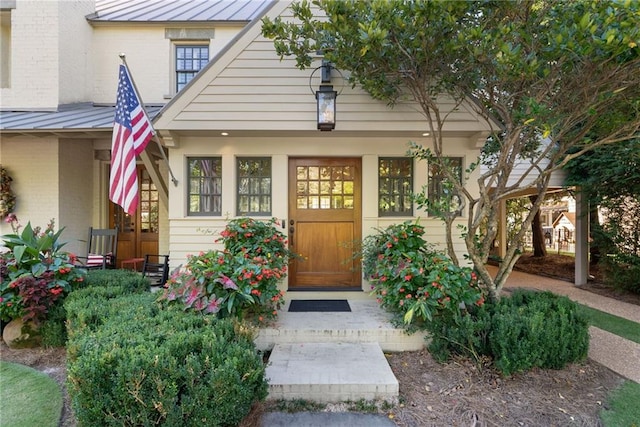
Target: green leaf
<point>38,269</point>
<point>18,252</point>
<point>408,316</point>
<point>584,22</point>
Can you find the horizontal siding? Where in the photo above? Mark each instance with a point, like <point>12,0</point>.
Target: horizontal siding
<point>256,90</point>
<point>191,236</point>
<point>187,237</point>
<point>520,169</point>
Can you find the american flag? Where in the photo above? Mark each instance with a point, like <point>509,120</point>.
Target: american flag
<point>132,130</point>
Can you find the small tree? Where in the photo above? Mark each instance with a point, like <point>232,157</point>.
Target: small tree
<point>536,71</point>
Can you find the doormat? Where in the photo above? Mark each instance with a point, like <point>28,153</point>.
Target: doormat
<point>319,305</point>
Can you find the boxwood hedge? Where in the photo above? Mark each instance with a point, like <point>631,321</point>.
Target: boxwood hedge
<point>132,363</point>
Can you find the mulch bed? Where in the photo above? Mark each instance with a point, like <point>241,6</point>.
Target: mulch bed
<point>458,393</point>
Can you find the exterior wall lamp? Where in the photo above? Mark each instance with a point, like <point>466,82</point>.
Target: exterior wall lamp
<point>325,98</point>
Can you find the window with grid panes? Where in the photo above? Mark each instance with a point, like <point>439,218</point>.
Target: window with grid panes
<point>204,186</point>
<point>395,186</point>
<point>325,187</point>
<point>189,60</point>
<point>254,186</point>
<point>149,204</point>
<point>441,192</point>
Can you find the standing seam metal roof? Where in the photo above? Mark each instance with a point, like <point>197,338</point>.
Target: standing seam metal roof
<point>177,10</point>
<point>95,117</point>
<point>67,117</point>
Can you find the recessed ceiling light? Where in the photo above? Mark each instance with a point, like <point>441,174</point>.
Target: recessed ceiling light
<point>224,133</point>
<point>426,134</point>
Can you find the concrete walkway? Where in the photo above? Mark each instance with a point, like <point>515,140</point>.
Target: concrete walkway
<point>618,354</point>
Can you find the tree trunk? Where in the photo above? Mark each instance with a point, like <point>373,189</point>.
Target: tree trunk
<point>539,247</point>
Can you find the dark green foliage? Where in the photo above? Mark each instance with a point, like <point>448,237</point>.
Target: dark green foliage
<point>240,281</point>
<point>622,271</point>
<point>90,308</point>
<point>610,176</point>
<point>131,281</point>
<point>537,329</point>
<point>98,283</point>
<point>529,329</point>
<point>465,334</point>
<point>53,329</point>
<point>132,363</point>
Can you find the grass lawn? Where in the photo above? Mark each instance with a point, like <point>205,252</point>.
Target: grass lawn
<point>624,406</point>
<point>616,325</point>
<point>623,402</point>
<point>29,398</point>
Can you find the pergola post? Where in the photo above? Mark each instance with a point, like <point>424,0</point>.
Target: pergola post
<point>582,239</point>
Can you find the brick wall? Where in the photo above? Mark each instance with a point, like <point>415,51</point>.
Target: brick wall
<point>50,61</point>
<point>34,56</point>
<point>33,165</point>
<point>75,38</point>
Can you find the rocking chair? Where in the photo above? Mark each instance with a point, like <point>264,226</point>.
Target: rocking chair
<point>102,247</point>
<point>156,269</point>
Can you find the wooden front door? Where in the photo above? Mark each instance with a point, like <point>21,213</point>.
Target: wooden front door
<point>324,222</point>
<point>138,233</point>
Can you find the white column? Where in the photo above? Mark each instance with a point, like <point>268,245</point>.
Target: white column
<point>582,239</point>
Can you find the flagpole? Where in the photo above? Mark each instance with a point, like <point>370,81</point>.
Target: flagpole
<point>155,135</point>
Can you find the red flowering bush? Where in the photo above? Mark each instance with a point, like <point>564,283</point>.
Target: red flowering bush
<point>241,280</point>
<point>35,272</point>
<point>410,278</point>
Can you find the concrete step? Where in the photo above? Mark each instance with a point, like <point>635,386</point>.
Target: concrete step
<point>330,372</point>
<point>366,323</point>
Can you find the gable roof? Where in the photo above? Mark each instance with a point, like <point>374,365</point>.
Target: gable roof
<point>248,88</point>
<point>177,10</point>
<point>571,217</point>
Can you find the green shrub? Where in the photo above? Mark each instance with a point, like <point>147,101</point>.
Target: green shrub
<point>413,280</point>
<point>241,281</point>
<point>101,283</point>
<point>131,363</point>
<point>35,272</point>
<point>90,308</point>
<point>53,329</point>
<point>131,281</point>
<point>465,334</point>
<point>622,271</point>
<point>537,329</point>
<point>526,330</point>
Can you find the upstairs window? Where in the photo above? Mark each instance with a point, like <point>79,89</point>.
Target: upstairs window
<point>189,60</point>
<point>395,185</point>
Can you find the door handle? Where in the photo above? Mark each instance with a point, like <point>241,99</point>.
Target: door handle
<point>292,229</point>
